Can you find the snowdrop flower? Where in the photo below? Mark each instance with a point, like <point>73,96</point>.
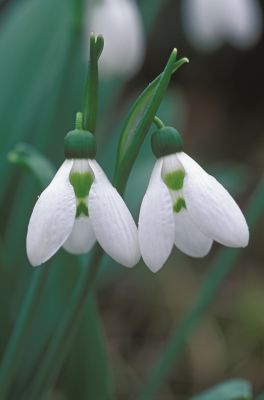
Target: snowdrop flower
<point>81,206</point>
<point>185,206</point>
<point>120,22</point>
<point>210,23</point>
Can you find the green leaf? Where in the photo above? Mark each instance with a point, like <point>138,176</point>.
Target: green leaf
<point>43,72</point>
<point>235,389</point>
<point>140,119</point>
<point>29,158</point>
<point>32,64</point>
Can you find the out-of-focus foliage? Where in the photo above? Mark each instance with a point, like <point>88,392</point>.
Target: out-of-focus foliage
<point>217,103</point>
<point>233,390</point>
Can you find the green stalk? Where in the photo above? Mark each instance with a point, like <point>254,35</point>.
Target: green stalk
<point>92,83</point>
<point>61,341</point>
<point>217,273</point>
<point>15,345</point>
<point>159,124</point>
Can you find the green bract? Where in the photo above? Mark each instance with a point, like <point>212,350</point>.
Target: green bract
<point>139,120</point>
<point>166,141</point>
<point>79,144</point>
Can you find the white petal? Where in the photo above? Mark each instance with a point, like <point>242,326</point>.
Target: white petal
<point>188,238</point>
<point>111,220</point>
<point>82,237</point>
<point>242,22</point>
<point>52,218</point>
<point>156,224</point>
<point>211,207</point>
<point>202,23</point>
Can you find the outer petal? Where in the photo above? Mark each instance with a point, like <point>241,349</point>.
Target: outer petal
<point>82,237</point>
<point>156,224</point>
<point>111,220</point>
<point>188,238</point>
<point>52,218</point>
<point>211,207</point>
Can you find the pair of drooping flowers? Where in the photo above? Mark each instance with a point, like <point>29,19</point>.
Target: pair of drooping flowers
<point>183,206</point>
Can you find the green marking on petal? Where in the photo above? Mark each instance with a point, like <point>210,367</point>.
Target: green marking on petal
<point>82,209</point>
<point>174,180</point>
<point>81,182</point>
<point>179,205</point>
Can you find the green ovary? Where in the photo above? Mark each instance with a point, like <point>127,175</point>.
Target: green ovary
<point>179,205</point>
<point>81,182</point>
<point>174,180</point>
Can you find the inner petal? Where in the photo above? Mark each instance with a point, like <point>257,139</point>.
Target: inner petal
<point>82,237</point>
<point>173,175</point>
<point>81,178</point>
<point>188,238</point>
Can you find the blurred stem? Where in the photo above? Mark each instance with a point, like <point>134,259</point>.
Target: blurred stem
<point>217,273</point>
<point>91,87</point>
<point>60,342</point>
<point>78,13</point>
<point>15,345</point>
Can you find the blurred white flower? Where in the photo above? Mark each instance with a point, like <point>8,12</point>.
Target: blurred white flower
<point>120,22</point>
<point>186,207</point>
<point>210,23</point>
<point>79,207</point>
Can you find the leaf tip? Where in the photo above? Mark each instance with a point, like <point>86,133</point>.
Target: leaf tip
<point>99,45</point>
<point>174,52</point>
<point>92,39</point>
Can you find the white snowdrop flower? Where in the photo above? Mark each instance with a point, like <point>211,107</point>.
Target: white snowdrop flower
<point>185,206</point>
<point>210,23</point>
<point>120,23</point>
<point>81,206</point>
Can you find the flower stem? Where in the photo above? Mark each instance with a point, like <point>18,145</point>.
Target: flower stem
<point>91,87</point>
<point>159,124</point>
<point>60,343</point>
<point>220,268</point>
<point>15,346</point>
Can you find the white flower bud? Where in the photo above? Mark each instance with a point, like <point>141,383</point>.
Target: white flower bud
<point>210,23</point>
<point>119,21</point>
